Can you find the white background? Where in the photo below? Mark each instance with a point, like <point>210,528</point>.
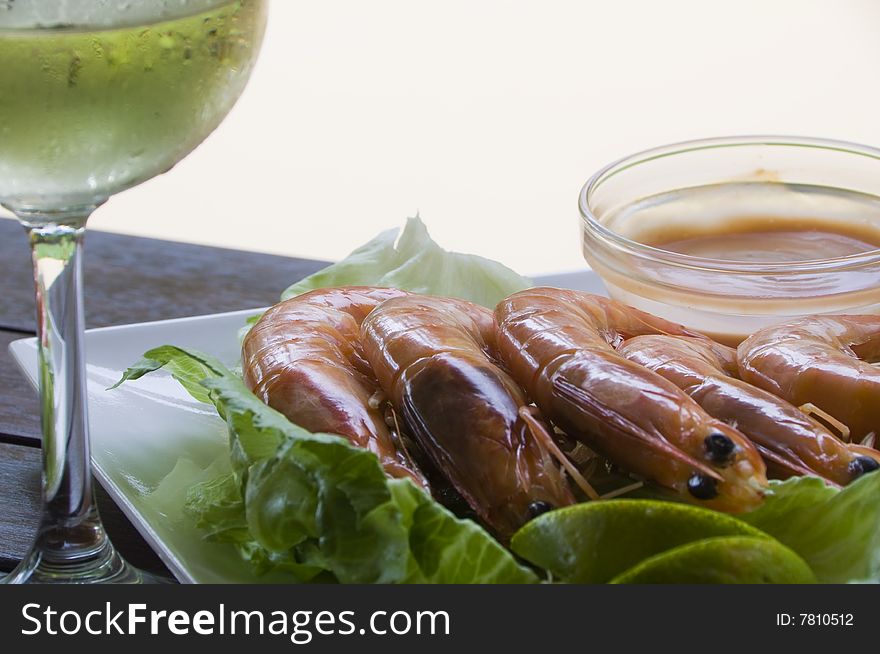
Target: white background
<point>488,116</point>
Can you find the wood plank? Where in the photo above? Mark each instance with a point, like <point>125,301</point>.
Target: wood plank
<point>130,279</point>
<point>20,490</point>
<point>19,408</point>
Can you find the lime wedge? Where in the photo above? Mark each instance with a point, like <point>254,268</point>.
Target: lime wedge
<point>593,542</point>
<point>737,560</point>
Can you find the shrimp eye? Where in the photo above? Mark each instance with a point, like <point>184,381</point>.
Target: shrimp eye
<point>863,464</point>
<point>539,507</point>
<point>702,487</point>
<point>719,447</point>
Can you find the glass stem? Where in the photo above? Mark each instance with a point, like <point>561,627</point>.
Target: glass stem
<point>70,527</point>
<point>71,545</point>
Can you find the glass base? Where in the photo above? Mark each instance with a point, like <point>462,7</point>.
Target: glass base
<point>104,566</point>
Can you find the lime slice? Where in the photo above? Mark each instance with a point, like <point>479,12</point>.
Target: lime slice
<point>593,542</point>
<point>737,560</point>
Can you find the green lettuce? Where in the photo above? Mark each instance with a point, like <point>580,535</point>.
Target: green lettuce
<point>412,261</point>
<point>315,506</point>
<point>837,532</point>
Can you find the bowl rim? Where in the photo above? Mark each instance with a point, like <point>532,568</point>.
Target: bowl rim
<point>656,254</point>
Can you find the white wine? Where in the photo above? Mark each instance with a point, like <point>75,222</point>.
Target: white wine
<point>87,111</point>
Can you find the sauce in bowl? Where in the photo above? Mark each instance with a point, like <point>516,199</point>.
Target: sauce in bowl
<point>767,240</point>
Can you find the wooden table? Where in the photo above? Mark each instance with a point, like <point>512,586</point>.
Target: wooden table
<point>127,280</point>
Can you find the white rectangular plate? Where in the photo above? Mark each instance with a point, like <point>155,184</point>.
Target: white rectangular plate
<point>143,429</point>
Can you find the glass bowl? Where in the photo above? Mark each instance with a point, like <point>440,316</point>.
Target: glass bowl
<point>695,187</point>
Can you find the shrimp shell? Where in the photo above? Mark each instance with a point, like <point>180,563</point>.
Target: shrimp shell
<point>823,360</point>
<point>790,442</point>
<point>430,357</point>
<point>304,359</point>
<point>558,345</point>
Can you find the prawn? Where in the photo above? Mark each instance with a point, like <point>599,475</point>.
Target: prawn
<point>558,344</point>
<point>430,355</point>
<point>823,360</point>
<point>304,359</point>
<point>790,442</point>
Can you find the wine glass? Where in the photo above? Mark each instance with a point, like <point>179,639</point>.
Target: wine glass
<point>97,96</point>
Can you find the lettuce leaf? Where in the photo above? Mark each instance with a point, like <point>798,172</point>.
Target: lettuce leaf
<point>451,550</point>
<point>317,507</point>
<point>837,532</point>
<point>411,261</point>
